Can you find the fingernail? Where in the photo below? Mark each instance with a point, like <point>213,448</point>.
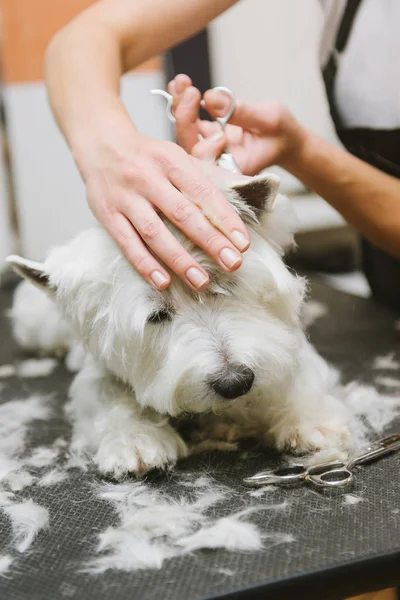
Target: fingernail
<point>220,102</point>
<point>229,258</point>
<point>158,278</point>
<point>240,240</point>
<point>188,96</point>
<point>196,277</point>
<point>217,136</point>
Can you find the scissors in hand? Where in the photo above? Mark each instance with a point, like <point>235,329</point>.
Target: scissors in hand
<point>325,475</point>
<point>226,160</point>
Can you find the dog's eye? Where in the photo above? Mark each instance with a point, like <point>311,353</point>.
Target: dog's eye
<point>160,316</point>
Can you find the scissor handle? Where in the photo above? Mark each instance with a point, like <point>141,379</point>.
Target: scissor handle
<point>223,120</point>
<point>340,477</point>
<point>220,88</point>
<point>169,100</point>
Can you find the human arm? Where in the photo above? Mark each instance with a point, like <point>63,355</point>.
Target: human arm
<point>129,178</point>
<point>366,197</point>
<point>266,133</point>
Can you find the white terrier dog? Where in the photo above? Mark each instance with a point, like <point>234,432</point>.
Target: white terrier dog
<point>236,352</point>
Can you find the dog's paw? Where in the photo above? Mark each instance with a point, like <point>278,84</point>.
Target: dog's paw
<point>310,437</point>
<point>140,451</point>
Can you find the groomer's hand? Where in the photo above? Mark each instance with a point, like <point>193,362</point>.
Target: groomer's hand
<point>131,180</point>
<point>259,134</point>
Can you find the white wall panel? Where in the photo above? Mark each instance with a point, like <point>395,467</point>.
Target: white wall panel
<point>268,49</point>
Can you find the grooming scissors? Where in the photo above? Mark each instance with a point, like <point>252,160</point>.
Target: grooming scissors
<point>334,474</point>
<point>226,160</point>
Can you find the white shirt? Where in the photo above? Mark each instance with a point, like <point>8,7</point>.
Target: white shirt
<point>367,87</point>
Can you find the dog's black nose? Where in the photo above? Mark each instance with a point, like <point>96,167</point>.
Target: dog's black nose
<point>235,382</point>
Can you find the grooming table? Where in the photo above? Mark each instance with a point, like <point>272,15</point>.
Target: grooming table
<point>338,550</point>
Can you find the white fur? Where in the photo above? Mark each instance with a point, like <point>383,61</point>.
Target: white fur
<point>389,382</point>
<point>75,357</point>
<point>265,489</point>
<point>33,367</point>
<point>387,362</point>
<point>42,457</point>
<point>60,443</point>
<point>20,480</point>
<point>312,311</point>
<point>27,520</point>
<point>137,374</point>
<point>370,411</point>
<point>5,564</point>
<point>29,368</point>
<point>351,499</point>
<point>150,524</point>
<point>37,322</point>
<point>7,371</point>
<point>52,477</point>
<point>229,532</point>
<point>154,527</point>
<point>15,418</point>
<point>39,326</point>
<point>6,498</point>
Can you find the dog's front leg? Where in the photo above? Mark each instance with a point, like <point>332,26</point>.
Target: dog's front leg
<point>309,424</point>
<point>310,418</point>
<point>110,426</point>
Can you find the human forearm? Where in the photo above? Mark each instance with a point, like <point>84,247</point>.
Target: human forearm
<point>130,179</point>
<point>83,70</point>
<point>86,59</point>
<point>366,197</point>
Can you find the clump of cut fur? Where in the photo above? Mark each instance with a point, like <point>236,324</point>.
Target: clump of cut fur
<point>6,562</point>
<point>154,527</point>
<point>27,520</point>
<point>387,362</point>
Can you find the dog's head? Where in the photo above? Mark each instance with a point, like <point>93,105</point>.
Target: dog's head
<point>179,350</point>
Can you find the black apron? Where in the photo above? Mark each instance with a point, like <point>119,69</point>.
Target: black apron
<point>380,148</point>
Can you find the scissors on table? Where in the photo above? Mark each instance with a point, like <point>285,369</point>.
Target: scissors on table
<point>325,475</point>
<point>226,160</point>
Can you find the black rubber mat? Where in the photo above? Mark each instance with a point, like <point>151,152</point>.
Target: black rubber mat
<point>338,550</point>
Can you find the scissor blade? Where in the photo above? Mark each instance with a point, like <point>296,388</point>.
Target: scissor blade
<point>377,449</point>
<point>391,441</point>
<point>260,479</point>
<point>285,475</point>
<point>387,444</point>
<point>226,161</point>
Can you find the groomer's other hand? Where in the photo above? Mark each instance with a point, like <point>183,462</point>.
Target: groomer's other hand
<point>188,126</point>
<point>265,134</point>
<point>131,179</point>
<point>258,135</point>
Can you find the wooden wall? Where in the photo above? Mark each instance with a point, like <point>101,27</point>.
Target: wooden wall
<point>28,26</point>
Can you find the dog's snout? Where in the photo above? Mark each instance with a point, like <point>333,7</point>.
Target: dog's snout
<point>235,382</point>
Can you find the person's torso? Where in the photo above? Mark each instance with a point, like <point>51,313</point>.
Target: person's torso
<point>360,53</point>
<point>367,86</point>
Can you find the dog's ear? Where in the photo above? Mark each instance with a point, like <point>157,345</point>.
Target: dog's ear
<point>258,192</point>
<point>33,271</point>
